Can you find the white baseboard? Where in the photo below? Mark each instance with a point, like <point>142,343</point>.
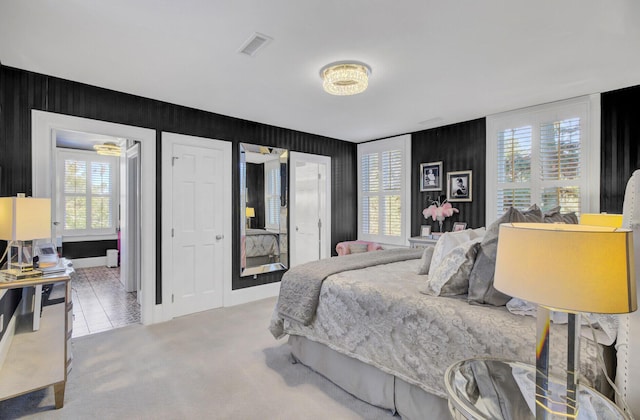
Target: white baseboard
<point>250,294</point>
<point>7,338</point>
<point>89,262</point>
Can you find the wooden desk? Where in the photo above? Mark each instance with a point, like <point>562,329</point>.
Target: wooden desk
<point>42,358</point>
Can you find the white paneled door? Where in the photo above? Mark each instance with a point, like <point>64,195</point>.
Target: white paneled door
<point>198,226</point>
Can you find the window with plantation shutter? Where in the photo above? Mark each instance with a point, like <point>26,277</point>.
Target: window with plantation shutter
<point>88,193</point>
<point>272,194</point>
<point>542,156</point>
<point>382,190</point>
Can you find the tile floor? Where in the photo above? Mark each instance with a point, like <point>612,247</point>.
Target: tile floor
<point>100,302</point>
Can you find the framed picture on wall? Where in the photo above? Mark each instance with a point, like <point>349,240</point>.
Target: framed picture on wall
<point>458,226</point>
<point>459,187</point>
<point>431,176</point>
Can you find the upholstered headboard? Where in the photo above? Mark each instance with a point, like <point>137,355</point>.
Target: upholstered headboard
<point>628,344</point>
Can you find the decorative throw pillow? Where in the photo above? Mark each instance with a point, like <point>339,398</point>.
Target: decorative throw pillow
<point>554,216</point>
<point>479,232</point>
<point>356,248</point>
<point>451,277</point>
<point>481,290</point>
<point>450,240</point>
<point>425,261</point>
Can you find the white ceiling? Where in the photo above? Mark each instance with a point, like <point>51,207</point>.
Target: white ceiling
<point>434,62</point>
<point>83,141</point>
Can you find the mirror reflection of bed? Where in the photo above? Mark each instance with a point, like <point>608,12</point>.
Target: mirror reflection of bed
<point>263,204</point>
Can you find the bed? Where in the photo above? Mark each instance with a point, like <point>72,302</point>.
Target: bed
<point>260,246</point>
<point>374,332</point>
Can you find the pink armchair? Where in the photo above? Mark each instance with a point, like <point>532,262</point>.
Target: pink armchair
<point>342,248</point>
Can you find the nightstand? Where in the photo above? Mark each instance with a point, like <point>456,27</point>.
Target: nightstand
<point>422,241</point>
<point>498,389</point>
<point>37,359</point>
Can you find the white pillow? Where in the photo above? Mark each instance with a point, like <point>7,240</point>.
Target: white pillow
<point>447,242</point>
<point>451,277</point>
<point>425,261</point>
<point>479,232</point>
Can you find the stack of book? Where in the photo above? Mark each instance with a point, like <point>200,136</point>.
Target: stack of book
<point>15,274</point>
<point>50,269</point>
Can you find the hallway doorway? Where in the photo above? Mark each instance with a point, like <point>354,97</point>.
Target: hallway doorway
<point>310,191</point>
<point>96,214</point>
<point>44,127</point>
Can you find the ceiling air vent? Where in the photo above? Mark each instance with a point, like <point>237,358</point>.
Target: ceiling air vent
<point>431,121</point>
<point>254,44</point>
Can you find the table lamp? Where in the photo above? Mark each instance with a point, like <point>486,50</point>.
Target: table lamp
<point>250,212</point>
<point>23,219</point>
<point>570,268</point>
<point>601,219</point>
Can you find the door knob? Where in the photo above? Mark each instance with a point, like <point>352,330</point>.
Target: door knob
<point>218,237</point>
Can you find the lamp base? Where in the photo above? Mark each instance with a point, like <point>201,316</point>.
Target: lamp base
<point>547,403</point>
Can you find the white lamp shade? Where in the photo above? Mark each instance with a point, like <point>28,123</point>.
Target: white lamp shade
<point>570,267</point>
<point>25,219</point>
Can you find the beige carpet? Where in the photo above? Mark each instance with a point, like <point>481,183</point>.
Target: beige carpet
<point>219,364</point>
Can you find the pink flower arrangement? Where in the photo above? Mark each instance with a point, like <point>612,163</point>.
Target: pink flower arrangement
<point>439,211</point>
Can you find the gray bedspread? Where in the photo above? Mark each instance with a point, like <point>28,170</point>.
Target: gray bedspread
<point>300,286</point>
<point>378,316</point>
<point>261,243</point>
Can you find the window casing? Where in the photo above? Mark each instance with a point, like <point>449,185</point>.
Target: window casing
<point>88,193</point>
<point>547,155</point>
<point>383,193</point>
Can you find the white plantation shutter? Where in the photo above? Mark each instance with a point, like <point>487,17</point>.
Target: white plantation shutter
<point>75,194</point>
<point>101,191</point>
<point>272,194</point>
<point>89,196</point>
<point>560,164</point>
<point>370,178</point>
<point>391,189</point>
<point>514,168</point>
<point>382,178</point>
<point>539,156</point>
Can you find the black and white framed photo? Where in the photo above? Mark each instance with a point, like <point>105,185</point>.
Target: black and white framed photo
<point>458,226</point>
<point>425,230</point>
<point>459,186</point>
<point>431,176</point>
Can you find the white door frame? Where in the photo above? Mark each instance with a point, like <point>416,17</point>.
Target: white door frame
<point>130,224</point>
<point>168,141</point>
<point>295,157</point>
<point>43,147</point>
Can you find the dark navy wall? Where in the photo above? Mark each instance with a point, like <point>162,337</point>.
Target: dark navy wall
<point>88,249</point>
<point>620,154</point>
<point>22,91</point>
<point>460,147</point>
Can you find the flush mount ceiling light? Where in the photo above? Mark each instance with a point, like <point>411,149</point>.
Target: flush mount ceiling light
<point>345,77</point>
<point>107,149</point>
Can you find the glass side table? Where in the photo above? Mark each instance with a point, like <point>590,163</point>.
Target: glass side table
<point>498,389</point>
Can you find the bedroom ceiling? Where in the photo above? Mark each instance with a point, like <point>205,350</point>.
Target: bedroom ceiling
<point>433,62</point>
